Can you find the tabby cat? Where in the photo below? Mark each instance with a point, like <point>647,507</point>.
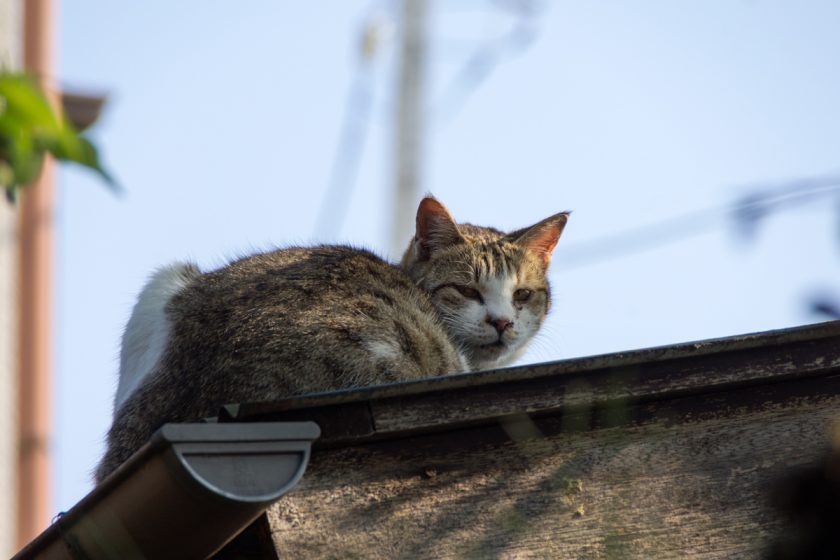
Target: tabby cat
<point>303,320</point>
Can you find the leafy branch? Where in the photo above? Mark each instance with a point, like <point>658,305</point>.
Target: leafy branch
<point>29,129</point>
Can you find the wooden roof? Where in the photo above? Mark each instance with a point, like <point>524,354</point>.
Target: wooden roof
<point>724,364</point>
<point>656,453</point>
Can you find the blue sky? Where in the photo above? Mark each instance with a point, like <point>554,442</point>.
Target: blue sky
<point>224,121</point>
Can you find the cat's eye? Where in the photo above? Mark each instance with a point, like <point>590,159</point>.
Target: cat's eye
<point>522,295</point>
<point>469,293</point>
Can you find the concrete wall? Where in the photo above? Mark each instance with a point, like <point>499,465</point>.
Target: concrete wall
<point>10,42</point>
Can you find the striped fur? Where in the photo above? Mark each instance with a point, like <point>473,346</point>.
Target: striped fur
<point>303,320</point>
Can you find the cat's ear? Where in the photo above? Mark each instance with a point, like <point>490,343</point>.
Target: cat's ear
<point>542,236</point>
<point>435,228</point>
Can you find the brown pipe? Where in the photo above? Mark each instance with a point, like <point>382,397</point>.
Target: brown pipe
<point>35,238</point>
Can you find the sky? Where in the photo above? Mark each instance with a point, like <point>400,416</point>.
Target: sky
<point>224,124</point>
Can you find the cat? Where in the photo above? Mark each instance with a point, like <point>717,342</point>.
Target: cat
<point>303,320</point>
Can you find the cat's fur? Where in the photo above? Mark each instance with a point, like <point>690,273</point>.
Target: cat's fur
<point>302,320</point>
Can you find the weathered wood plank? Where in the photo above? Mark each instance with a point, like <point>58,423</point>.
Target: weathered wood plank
<point>706,373</point>
<point>685,477</point>
<point>346,417</point>
<point>730,345</point>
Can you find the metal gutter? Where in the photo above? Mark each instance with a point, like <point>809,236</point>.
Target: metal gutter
<point>184,494</point>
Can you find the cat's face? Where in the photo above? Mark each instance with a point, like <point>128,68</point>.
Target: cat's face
<point>490,289</point>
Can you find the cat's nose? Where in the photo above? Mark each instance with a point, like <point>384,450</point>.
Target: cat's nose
<point>501,324</point>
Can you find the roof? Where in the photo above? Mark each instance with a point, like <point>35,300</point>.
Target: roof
<point>657,453</point>
<point>394,433</point>
<point>395,410</point>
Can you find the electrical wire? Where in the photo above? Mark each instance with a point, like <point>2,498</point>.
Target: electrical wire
<point>745,213</point>
<point>353,136</point>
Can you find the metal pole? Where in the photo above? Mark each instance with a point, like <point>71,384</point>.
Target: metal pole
<point>409,132</point>
<point>35,299</point>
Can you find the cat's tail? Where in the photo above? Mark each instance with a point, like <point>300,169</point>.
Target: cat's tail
<point>147,331</point>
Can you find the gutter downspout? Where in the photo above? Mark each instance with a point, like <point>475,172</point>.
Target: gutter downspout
<point>35,298</point>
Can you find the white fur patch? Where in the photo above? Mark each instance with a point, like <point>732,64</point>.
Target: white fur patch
<point>498,297</point>
<point>147,331</point>
<point>384,350</point>
<point>497,293</point>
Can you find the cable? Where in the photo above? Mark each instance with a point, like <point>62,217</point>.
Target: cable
<point>353,136</point>
<point>483,60</point>
<point>746,212</point>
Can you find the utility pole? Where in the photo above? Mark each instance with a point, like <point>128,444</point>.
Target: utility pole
<point>409,130</point>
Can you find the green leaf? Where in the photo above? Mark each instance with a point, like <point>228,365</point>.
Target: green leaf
<point>80,150</point>
<point>29,129</point>
<point>25,101</point>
